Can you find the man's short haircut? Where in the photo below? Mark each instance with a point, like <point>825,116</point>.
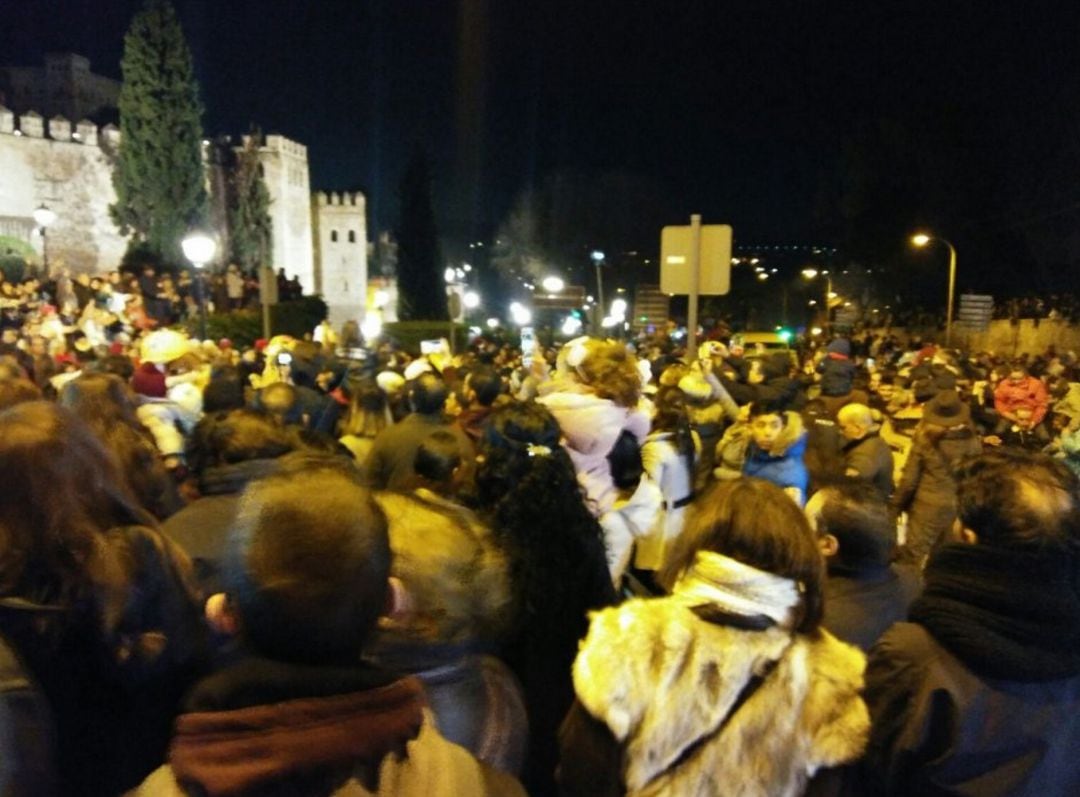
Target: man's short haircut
<point>225,390</point>
<point>282,400</point>
<point>437,457</point>
<point>307,567</point>
<point>237,436</point>
<point>1015,497</point>
<point>486,383</point>
<point>758,408</point>
<point>856,514</point>
<point>428,394</point>
<point>856,413</point>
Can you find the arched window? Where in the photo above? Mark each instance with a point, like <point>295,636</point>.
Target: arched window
<point>352,236</point>
<point>333,236</point>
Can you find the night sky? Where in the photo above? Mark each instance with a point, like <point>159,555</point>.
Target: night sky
<point>798,122</point>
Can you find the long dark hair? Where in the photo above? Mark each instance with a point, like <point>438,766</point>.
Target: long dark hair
<point>529,489</point>
<point>671,417</point>
<point>62,492</point>
<point>756,523</point>
<point>104,403</point>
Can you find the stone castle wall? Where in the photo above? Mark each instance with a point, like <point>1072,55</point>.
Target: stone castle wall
<point>68,168</point>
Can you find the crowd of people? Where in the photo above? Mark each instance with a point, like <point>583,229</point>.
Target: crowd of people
<point>97,309</point>
<point>598,568</point>
<point>1062,306</point>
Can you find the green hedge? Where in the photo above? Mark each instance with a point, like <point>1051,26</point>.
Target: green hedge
<point>409,333</point>
<point>244,327</point>
<point>13,267</point>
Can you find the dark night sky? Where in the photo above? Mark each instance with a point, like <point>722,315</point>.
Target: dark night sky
<point>795,121</point>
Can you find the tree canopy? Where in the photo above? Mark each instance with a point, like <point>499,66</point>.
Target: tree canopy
<point>159,176</point>
<point>421,288</point>
<point>250,227</point>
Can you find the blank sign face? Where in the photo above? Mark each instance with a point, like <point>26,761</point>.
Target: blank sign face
<point>675,250</point>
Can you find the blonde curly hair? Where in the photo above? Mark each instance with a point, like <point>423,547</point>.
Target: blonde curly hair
<point>611,371</point>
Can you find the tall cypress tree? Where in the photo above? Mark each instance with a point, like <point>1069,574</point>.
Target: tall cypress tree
<point>250,230</point>
<point>421,288</point>
<point>159,177</point>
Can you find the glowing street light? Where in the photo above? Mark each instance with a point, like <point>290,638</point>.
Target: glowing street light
<point>493,323</point>
<point>920,240</point>
<point>449,275</point>
<point>199,248</point>
<point>471,300</point>
<point>520,314</point>
<point>810,274</point>
<point>618,309</point>
<point>43,217</point>
<point>553,284</point>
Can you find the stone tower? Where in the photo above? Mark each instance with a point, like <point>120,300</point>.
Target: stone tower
<point>285,171</point>
<point>341,254</point>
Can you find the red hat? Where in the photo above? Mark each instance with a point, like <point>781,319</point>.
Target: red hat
<point>260,344</point>
<point>149,381</point>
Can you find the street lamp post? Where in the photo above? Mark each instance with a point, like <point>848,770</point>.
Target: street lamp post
<point>922,239</point>
<point>44,216</point>
<point>598,260</point>
<point>199,248</point>
<point>813,273</point>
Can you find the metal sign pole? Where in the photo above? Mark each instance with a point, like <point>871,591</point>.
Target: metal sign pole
<point>695,285</point>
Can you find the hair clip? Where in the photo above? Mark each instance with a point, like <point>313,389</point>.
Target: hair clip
<point>537,450</point>
<point>577,352</point>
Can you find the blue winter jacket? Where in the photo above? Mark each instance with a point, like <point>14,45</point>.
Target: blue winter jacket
<point>784,467</point>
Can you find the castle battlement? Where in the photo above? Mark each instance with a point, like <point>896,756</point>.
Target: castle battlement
<point>286,146</point>
<point>32,125</point>
<point>343,199</point>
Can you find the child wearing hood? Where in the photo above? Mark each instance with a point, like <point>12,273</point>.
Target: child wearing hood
<point>837,370</point>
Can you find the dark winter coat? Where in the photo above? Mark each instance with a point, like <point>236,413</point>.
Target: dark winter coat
<point>871,460</point>
<point>927,489</point>
<point>980,694</point>
<point>389,466</point>
<point>201,528</point>
<point>861,604</point>
<point>113,692</point>
<point>837,375</point>
<point>27,734</point>
<point>475,698</point>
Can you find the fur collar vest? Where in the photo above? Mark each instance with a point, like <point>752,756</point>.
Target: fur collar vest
<point>663,681</point>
